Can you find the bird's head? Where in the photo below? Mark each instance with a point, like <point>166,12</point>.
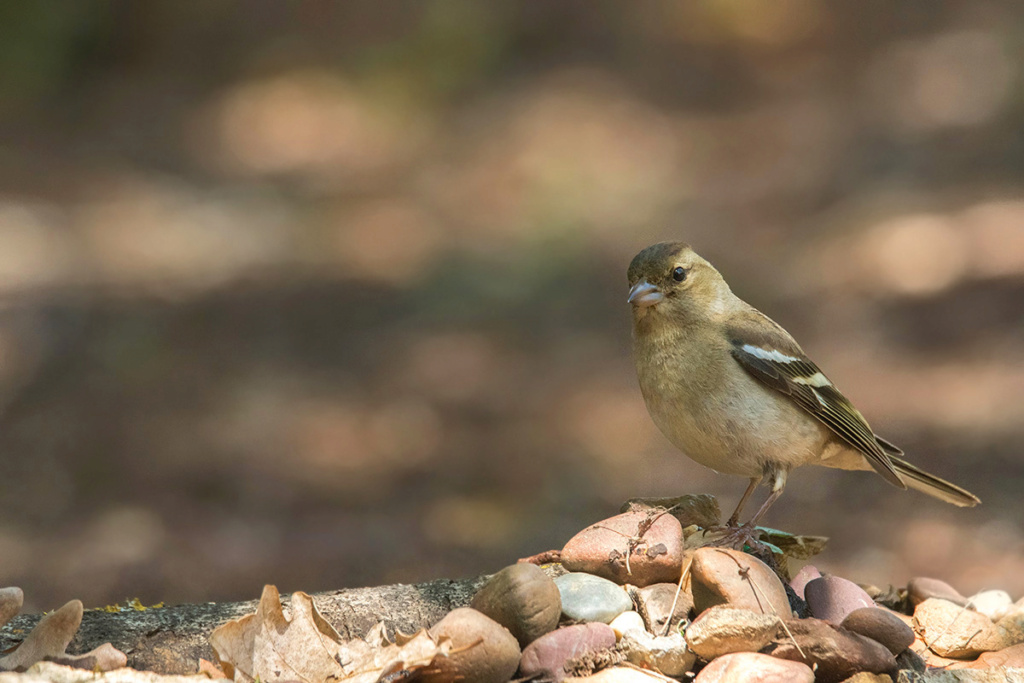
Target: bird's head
<point>670,278</point>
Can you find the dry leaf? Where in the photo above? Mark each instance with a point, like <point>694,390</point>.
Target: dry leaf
<point>49,638</point>
<point>11,600</point>
<point>269,647</point>
<point>210,670</point>
<point>793,546</point>
<point>104,658</point>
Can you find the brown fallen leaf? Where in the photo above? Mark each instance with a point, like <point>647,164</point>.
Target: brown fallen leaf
<point>210,669</point>
<point>267,646</point>
<point>49,638</point>
<point>106,657</point>
<point>11,600</point>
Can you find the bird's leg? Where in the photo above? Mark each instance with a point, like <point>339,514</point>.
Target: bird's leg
<point>734,519</point>
<point>747,534</point>
<point>778,481</point>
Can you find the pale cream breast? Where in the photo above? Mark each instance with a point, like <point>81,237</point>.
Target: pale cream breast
<point>734,432</point>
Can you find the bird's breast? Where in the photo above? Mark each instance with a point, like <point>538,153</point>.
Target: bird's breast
<point>718,415</point>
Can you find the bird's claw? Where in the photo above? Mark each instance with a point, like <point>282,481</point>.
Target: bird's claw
<point>738,537</point>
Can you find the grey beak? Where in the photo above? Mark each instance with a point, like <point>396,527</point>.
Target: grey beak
<point>644,294</point>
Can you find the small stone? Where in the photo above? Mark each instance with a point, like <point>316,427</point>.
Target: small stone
<point>751,667</point>
<point>618,674</point>
<point>832,598</point>
<point>1010,656</point>
<point>908,659</point>
<point>627,621</point>
<point>548,654</point>
<point>1012,627</point>
<point>833,652</point>
<point>667,654</point>
<point>1000,675</point>
<point>657,602</point>
<point>993,604</point>
<point>721,576</point>
<point>586,597</point>
<point>699,509</point>
<point>930,659</point>
<point>865,677</point>
<point>722,630</point>
<point>882,626</point>
<point>602,548</point>
<point>807,573</point>
<point>955,632</point>
<point>493,657</point>
<point>921,588</point>
<point>523,599</point>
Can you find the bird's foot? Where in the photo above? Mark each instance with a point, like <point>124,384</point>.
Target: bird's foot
<point>745,537</point>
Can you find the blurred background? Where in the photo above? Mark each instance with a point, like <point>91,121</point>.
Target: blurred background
<point>333,294</point>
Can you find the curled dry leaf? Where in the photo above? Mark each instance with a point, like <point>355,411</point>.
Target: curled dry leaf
<point>49,638</point>
<point>106,657</point>
<point>792,546</point>
<point>210,670</point>
<point>267,646</point>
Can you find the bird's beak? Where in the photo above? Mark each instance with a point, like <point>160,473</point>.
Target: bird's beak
<point>644,294</point>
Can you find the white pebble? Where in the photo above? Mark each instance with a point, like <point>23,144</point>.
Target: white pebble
<point>627,621</point>
<point>993,604</point>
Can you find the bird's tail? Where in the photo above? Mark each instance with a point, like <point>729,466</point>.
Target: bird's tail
<point>928,483</point>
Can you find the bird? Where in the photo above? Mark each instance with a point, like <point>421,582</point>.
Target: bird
<point>732,389</point>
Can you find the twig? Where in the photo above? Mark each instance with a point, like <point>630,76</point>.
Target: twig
<point>675,598</point>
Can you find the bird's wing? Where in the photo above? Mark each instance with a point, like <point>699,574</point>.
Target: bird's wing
<point>768,353</point>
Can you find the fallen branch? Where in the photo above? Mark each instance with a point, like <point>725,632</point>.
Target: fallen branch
<point>172,640</point>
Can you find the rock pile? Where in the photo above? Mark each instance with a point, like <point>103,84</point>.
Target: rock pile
<point>655,593</point>
<point>610,614</point>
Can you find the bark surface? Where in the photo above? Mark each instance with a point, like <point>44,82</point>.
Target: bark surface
<point>171,640</point>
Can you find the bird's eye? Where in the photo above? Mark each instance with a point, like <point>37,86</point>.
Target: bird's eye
<point>679,273</point>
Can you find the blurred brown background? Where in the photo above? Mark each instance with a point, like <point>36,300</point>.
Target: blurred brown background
<point>333,294</point>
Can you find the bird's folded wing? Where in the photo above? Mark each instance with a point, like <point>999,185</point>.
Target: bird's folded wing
<point>768,353</point>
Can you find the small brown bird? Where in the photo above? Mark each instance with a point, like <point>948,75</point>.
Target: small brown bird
<point>735,392</point>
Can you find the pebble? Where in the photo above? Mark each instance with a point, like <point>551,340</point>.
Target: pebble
<point>993,604</point>
<point>722,630</point>
<point>1011,656</point>
<point>954,632</point>
<point>908,659</point>
<point>692,509</point>
<point>493,657</point>
<point>721,576</point>
<point>807,573</point>
<point>523,599</point>
<point>1012,627</point>
<point>627,621</point>
<point>1000,675</point>
<point>601,548</point>
<point>655,604</point>
<point>586,597</point>
<point>618,674</point>
<point>667,654</point>
<point>548,654</point>
<point>834,653</point>
<point>922,588</point>
<point>832,598</point>
<point>751,667</point>
<point>882,626</point>
<point>865,677</point>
